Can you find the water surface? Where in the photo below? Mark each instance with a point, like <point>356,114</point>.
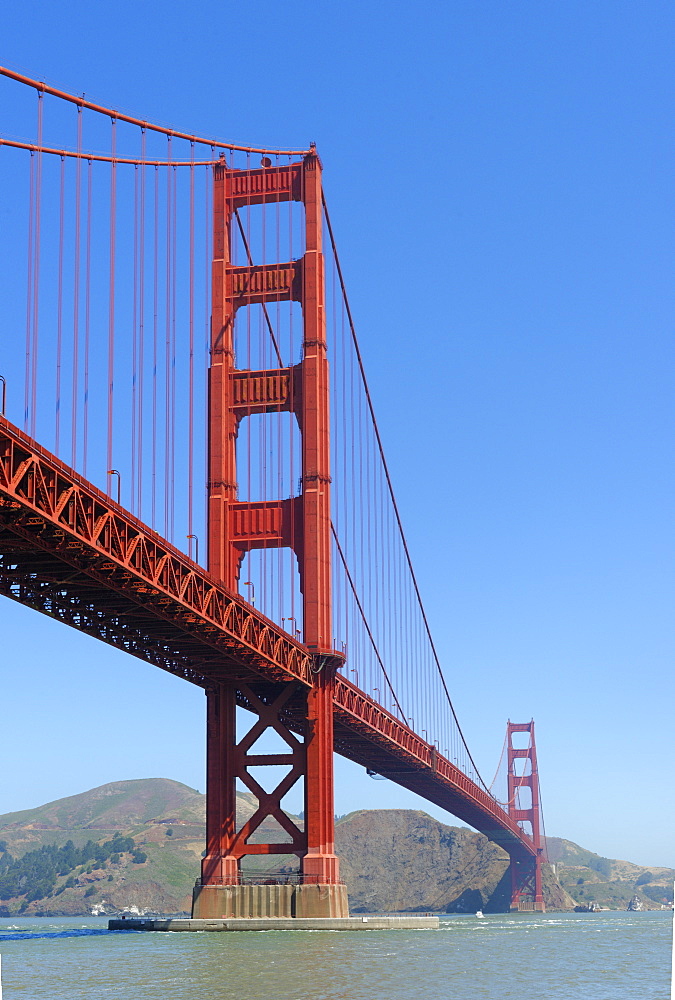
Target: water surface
<point>594,956</point>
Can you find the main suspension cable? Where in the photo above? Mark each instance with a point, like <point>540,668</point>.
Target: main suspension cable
<point>365,621</point>
<point>102,158</point>
<point>132,120</point>
<point>385,468</point>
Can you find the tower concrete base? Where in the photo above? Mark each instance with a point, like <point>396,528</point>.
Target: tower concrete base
<point>282,901</point>
<point>525,907</point>
<point>400,922</point>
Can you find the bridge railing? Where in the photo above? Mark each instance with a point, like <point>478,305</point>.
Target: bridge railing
<point>266,878</point>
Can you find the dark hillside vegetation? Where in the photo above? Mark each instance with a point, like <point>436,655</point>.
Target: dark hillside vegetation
<point>35,875</point>
<point>137,845</point>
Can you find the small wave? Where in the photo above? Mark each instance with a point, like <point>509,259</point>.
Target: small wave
<point>75,932</point>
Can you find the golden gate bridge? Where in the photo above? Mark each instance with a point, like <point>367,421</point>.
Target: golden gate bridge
<point>191,470</point>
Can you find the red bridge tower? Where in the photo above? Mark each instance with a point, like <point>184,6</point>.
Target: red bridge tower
<point>301,523</point>
<point>526,891</point>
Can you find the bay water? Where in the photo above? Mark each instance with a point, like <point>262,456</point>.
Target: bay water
<point>556,956</point>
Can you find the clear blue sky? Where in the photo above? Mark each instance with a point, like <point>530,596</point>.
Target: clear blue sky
<point>500,182</point>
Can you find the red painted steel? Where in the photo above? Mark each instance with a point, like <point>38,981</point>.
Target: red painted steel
<point>49,515</point>
<point>525,873</point>
<point>229,760</point>
<point>69,551</point>
<point>263,392</point>
<point>301,523</point>
<point>369,734</point>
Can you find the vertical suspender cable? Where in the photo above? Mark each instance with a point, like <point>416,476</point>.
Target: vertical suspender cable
<point>208,222</point>
<point>281,576</point>
<point>345,440</point>
<point>29,296</point>
<point>87,318</point>
<point>390,489</point>
<point>59,305</point>
<point>292,460</point>
<point>174,309</point>
<point>76,293</point>
<point>167,348</point>
<point>264,475</point>
<point>155,311</point>
<point>191,346</point>
<point>111,298</point>
<point>134,353</point>
<point>141,326</point>
<point>249,365</point>
<point>36,270</point>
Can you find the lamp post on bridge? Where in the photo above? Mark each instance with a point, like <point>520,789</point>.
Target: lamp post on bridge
<point>196,541</point>
<point>114,472</point>
<point>296,630</point>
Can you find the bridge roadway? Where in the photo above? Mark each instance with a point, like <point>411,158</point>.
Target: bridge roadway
<point>69,551</point>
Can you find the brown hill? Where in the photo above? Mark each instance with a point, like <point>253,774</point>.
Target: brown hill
<point>119,805</point>
<point>392,860</point>
<point>402,859</point>
<point>589,877</point>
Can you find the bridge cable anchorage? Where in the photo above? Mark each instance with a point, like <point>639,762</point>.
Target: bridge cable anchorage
<point>390,487</point>
<point>132,120</point>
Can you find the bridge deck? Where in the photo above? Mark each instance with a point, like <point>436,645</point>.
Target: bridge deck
<point>67,550</point>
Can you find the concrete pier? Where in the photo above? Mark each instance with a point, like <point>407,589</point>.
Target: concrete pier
<point>224,902</point>
<point>370,923</point>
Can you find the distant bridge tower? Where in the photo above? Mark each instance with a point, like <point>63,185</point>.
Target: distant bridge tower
<point>522,782</point>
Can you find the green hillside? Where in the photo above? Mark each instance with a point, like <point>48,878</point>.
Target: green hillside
<point>137,845</point>
<point>589,877</point>
<point>162,823</point>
